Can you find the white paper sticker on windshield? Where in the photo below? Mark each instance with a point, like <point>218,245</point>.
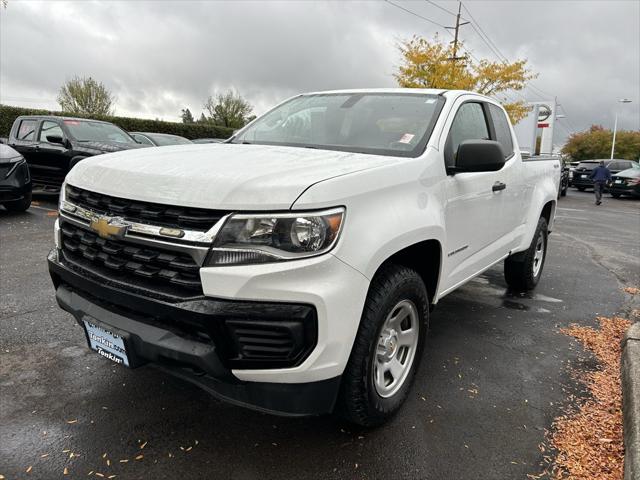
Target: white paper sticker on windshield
<point>430,100</point>
<point>406,138</point>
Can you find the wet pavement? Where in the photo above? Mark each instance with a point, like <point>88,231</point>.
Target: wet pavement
<point>495,373</point>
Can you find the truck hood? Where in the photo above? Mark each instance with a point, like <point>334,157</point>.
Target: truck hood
<point>217,176</point>
<point>96,148</point>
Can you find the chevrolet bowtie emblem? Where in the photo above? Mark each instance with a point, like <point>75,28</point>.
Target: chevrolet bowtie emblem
<point>111,228</point>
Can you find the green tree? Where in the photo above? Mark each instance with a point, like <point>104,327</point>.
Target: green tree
<point>596,143</point>
<point>430,64</point>
<point>228,109</point>
<point>202,119</point>
<point>87,96</point>
<point>186,115</point>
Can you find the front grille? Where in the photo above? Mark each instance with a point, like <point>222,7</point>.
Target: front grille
<point>149,268</point>
<point>145,212</point>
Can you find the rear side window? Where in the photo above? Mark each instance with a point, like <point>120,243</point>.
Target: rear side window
<point>503,132</point>
<point>27,130</point>
<point>141,139</point>
<point>468,124</point>
<point>49,128</point>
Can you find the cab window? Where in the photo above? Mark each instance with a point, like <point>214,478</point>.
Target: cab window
<point>49,128</point>
<point>503,132</point>
<point>469,123</point>
<point>27,130</point>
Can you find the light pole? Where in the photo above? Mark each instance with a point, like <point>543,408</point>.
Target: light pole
<point>615,126</point>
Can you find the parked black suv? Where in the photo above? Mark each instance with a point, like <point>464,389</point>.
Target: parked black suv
<point>15,181</point>
<point>582,172</point>
<point>53,145</point>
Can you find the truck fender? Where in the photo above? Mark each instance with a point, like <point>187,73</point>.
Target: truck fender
<point>542,204</point>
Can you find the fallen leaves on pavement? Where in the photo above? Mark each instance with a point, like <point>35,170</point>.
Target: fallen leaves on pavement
<point>588,441</point>
<point>632,290</point>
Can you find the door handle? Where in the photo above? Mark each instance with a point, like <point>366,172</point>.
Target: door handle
<point>498,186</point>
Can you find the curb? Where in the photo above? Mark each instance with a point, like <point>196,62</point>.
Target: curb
<point>630,369</point>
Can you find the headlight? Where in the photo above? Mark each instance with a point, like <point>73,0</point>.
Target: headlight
<point>262,238</point>
<point>12,163</point>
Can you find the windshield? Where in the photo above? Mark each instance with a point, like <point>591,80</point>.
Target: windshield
<point>397,124</point>
<point>588,165</point>
<point>88,131</point>
<point>162,140</point>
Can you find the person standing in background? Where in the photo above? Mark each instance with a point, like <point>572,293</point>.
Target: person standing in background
<point>600,176</point>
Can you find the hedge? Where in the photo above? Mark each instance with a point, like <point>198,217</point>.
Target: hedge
<point>189,130</point>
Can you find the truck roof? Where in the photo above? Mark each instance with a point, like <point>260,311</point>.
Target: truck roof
<point>58,117</point>
<point>425,91</point>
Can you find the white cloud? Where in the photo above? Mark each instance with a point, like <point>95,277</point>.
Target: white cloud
<point>158,57</point>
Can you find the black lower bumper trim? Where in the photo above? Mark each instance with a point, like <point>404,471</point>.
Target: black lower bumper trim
<point>150,337</point>
<point>286,399</point>
<point>145,343</point>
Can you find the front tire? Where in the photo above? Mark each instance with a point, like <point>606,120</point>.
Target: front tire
<point>615,195</point>
<point>582,189</point>
<point>387,348</point>
<point>522,271</point>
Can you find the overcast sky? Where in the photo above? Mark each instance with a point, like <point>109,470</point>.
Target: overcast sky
<point>161,56</point>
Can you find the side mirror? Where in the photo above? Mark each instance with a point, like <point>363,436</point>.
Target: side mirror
<point>55,139</point>
<point>478,156</point>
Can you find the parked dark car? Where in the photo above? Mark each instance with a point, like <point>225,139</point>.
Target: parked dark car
<point>159,139</point>
<point>15,181</point>
<point>209,140</point>
<point>53,145</point>
<point>582,172</point>
<point>572,169</point>
<point>626,182</point>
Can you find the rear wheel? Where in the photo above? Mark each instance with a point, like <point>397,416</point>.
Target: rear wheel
<point>21,205</point>
<point>523,270</point>
<point>563,192</point>
<point>387,349</point>
<point>615,195</point>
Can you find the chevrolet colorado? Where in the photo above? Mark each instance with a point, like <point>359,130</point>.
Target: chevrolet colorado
<point>293,269</point>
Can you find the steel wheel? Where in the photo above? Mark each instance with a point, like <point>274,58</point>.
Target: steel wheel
<point>538,255</point>
<point>396,348</point>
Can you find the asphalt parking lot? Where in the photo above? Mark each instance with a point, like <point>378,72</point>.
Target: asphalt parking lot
<point>495,373</point>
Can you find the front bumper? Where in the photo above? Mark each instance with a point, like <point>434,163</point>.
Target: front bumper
<point>187,339</point>
<point>15,182</point>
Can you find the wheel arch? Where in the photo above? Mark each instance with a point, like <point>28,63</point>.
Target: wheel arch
<point>548,212</point>
<point>425,257</point>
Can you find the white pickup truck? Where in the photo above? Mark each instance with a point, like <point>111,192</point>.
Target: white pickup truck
<point>293,269</point>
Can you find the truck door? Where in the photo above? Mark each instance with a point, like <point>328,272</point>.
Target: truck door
<point>512,175</point>
<point>51,162</point>
<point>25,138</point>
<point>474,202</point>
